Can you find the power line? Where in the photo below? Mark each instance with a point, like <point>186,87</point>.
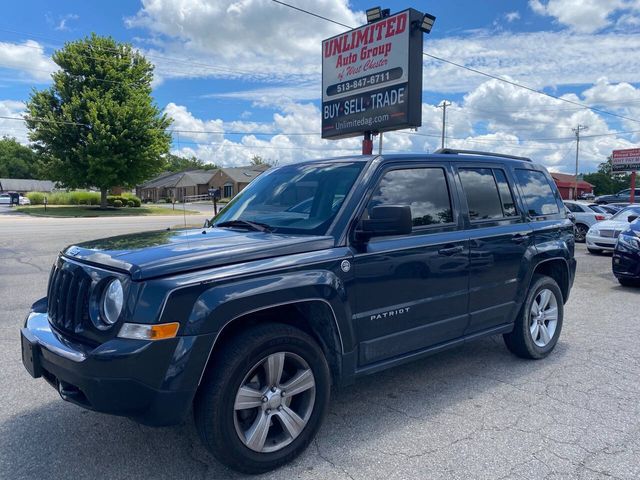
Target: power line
<point>474,70</point>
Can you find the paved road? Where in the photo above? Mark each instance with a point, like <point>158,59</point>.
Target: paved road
<point>474,412</point>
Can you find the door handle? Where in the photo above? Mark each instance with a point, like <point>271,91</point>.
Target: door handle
<point>519,238</point>
<point>448,251</point>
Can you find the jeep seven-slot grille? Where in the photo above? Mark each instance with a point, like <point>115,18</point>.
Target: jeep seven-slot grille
<point>68,297</point>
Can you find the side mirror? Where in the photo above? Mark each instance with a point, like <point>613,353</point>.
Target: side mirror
<point>385,220</point>
<point>207,223</point>
<point>632,218</point>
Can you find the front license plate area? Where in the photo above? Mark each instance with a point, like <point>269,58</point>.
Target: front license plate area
<point>31,356</point>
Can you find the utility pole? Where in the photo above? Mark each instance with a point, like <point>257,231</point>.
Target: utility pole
<point>444,106</point>
<point>577,130</point>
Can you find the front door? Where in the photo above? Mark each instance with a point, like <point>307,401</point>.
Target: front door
<point>411,290</point>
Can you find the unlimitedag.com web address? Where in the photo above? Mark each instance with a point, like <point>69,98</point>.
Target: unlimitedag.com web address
<point>362,121</point>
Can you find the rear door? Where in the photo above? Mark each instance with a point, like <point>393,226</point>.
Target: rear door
<point>412,290</point>
<point>499,241</point>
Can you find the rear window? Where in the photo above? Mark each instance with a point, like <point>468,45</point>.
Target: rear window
<point>481,191</point>
<point>539,197</point>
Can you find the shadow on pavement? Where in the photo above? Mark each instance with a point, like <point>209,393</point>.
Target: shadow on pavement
<point>60,440</point>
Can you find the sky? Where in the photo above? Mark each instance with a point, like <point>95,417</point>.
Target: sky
<point>252,69</point>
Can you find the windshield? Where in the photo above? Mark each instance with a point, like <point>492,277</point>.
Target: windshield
<point>622,215</point>
<point>293,199</point>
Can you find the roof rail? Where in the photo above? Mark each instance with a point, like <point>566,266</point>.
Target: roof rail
<point>452,151</point>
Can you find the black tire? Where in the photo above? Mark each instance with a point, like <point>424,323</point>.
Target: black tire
<point>214,404</point>
<point>629,282</point>
<point>595,251</point>
<point>520,341</point>
<point>580,232</point>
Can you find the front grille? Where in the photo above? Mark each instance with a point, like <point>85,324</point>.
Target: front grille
<point>610,233</point>
<point>68,297</point>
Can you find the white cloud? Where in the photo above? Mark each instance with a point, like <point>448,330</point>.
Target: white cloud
<point>27,57</point>
<point>10,127</point>
<point>248,36</point>
<point>64,20</point>
<point>512,16</point>
<point>585,16</point>
<point>493,117</point>
<point>537,59</point>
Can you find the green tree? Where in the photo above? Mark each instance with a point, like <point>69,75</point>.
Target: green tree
<point>97,125</point>
<point>18,161</point>
<point>176,163</point>
<point>258,160</point>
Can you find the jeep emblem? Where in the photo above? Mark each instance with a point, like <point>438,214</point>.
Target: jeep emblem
<point>345,266</point>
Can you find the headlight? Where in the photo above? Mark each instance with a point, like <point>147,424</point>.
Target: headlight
<point>112,302</point>
<point>630,241</point>
<point>594,231</point>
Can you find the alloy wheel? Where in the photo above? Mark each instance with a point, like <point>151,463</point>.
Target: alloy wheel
<point>274,402</point>
<point>543,319</point>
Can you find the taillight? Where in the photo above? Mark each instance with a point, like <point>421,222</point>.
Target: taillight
<point>600,218</point>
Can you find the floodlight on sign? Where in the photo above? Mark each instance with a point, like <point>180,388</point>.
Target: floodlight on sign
<point>374,14</point>
<point>427,23</point>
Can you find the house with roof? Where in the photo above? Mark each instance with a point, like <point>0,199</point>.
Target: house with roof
<point>24,185</point>
<point>567,184</point>
<point>178,185</point>
<point>233,180</point>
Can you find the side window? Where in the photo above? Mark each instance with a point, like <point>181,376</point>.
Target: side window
<point>573,208</point>
<point>425,190</point>
<point>506,195</point>
<point>482,193</point>
<point>538,195</point>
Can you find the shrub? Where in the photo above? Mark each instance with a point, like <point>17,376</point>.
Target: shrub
<point>130,197</point>
<point>130,203</point>
<point>84,198</point>
<point>36,198</point>
<point>58,198</point>
<point>117,203</point>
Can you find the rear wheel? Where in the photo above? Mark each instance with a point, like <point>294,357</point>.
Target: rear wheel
<point>263,399</point>
<point>580,232</point>
<point>539,323</point>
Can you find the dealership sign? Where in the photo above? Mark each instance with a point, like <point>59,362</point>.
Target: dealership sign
<point>372,77</point>
<point>626,160</point>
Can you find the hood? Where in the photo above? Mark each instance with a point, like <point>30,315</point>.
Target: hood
<point>610,225</point>
<point>153,254</point>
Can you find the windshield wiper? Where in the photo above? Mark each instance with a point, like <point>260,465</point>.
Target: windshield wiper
<point>255,226</point>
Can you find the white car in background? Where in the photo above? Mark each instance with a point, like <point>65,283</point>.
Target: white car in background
<point>585,218</point>
<point>5,199</point>
<point>603,235</point>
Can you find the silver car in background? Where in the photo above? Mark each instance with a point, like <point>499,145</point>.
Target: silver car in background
<point>603,235</point>
<point>585,218</point>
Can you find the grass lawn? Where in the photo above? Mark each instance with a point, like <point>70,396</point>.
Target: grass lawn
<point>92,211</point>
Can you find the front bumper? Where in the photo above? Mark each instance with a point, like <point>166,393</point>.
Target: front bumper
<point>600,243</point>
<point>153,382</point>
<point>626,263</point>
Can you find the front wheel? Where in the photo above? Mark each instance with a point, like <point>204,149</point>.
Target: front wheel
<point>263,399</point>
<point>580,232</point>
<point>537,328</point>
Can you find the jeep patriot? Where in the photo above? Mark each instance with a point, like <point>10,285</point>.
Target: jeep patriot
<point>315,274</point>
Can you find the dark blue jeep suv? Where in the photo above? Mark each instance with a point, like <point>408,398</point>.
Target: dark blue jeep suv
<point>316,274</point>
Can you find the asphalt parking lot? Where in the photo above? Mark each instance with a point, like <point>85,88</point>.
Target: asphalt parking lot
<point>471,413</point>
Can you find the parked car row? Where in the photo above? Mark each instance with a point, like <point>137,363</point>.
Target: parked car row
<point>621,196</point>
<point>6,199</point>
<point>604,235</point>
<point>585,217</point>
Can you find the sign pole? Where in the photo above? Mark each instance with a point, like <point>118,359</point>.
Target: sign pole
<point>367,144</point>
<point>632,197</point>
